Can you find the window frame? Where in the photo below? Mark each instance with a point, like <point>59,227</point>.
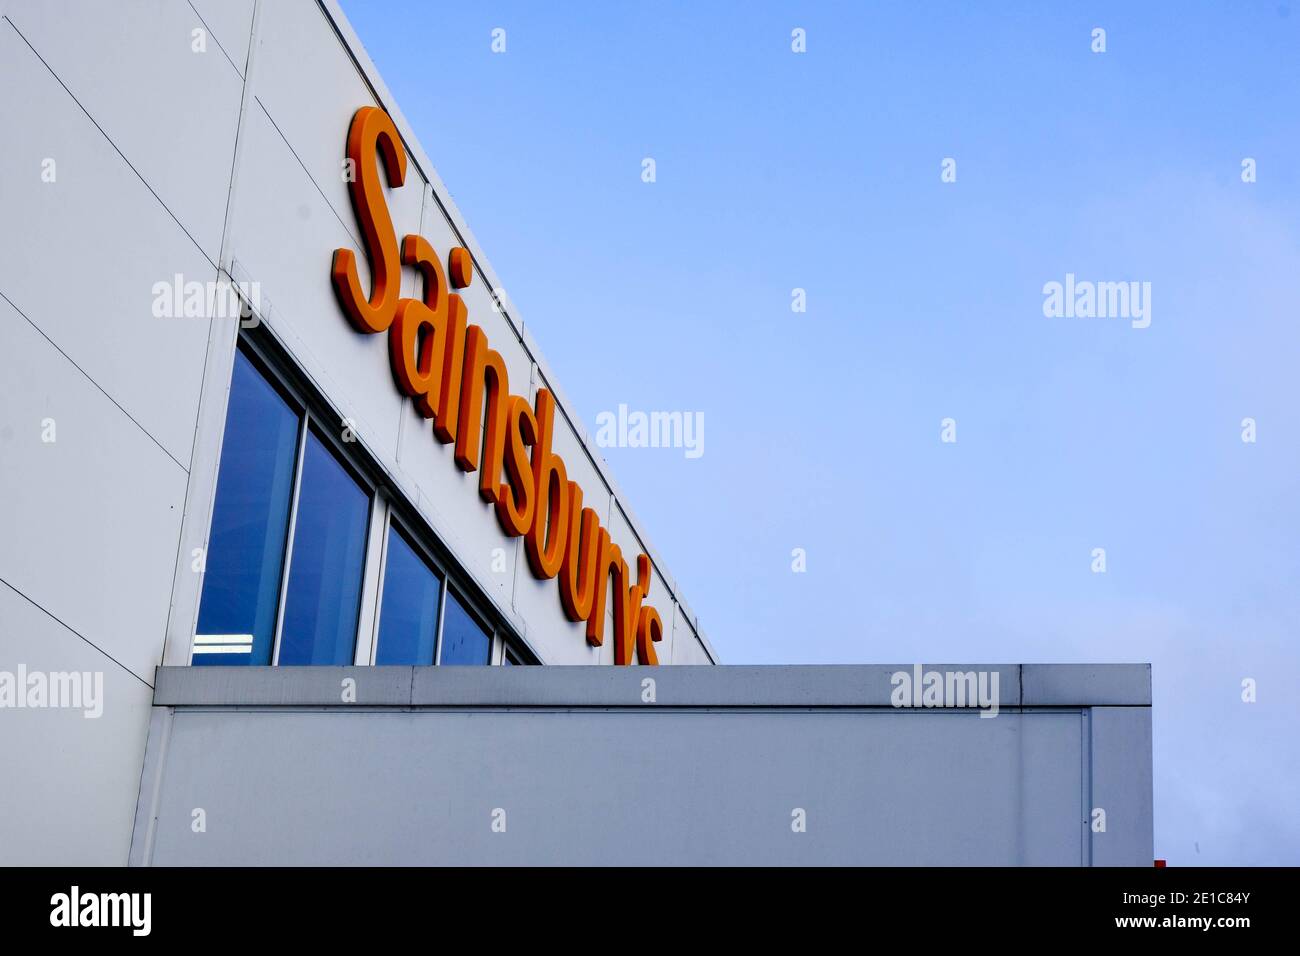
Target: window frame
<point>471,608</point>
<point>387,508</point>
<point>393,522</point>
<point>277,385</point>
<point>309,424</point>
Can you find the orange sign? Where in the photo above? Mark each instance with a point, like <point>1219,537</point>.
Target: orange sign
<point>454,377</point>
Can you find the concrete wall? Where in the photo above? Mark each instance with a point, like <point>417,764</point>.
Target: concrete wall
<point>587,771</point>
<point>129,158</point>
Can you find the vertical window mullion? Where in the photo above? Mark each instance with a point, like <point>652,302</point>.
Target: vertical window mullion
<point>303,425</point>
<point>381,515</point>
<point>442,614</point>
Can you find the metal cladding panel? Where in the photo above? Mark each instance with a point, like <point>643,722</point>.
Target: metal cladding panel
<point>1122,786</point>
<point>171,107</point>
<point>80,255</point>
<point>619,787</point>
<point>593,765</point>
<point>1048,684</point>
<point>71,780</point>
<point>93,504</point>
<point>230,22</point>
<point>306,82</point>
<point>799,685</point>
<point>687,647</point>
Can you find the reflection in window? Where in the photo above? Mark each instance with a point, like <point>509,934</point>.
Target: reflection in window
<point>241,581</point>
<point>408,613</point>
<point>325,565</point>
<point>464,639</point>
<point>287,549</point>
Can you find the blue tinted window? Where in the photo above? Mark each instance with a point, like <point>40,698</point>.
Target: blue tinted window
<point>464,639</point>
<point>408,613</point>
<point>241,583</point>
<point>329,552</point>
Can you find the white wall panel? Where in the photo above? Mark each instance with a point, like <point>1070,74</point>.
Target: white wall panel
<point>70,781</point>
<point>1052,740</point>
<point>309,85</point>
<point>648,786</point>
<point>92,518</point>
<point>170,110</point>
<point>80,256</point>
<point>231,23</point>
<point>1122,786</point>
<point>687,648</point>
<point>283,237</point>
<point>200,493</point>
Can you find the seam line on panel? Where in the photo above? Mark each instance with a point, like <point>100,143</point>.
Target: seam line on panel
<point>75,632</point>
<point>108,139</point>
<point>220,46</point>
<point>155,798</point>
<point>288,145</point>
<point>246,93</point>
<point>189,478</point>
<point>99,387</point>
<point>1086,760</point>
<point>204,390</point>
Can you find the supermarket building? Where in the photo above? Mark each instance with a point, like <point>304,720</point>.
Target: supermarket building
<point>262,410</point>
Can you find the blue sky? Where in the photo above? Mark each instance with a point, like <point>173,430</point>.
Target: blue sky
<point>821,171</point>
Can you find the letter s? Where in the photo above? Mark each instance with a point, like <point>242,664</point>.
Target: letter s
<point>515,502</point>
<point>372,133</point>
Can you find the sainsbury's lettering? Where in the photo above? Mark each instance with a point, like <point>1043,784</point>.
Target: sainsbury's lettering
<point>453,376</point>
